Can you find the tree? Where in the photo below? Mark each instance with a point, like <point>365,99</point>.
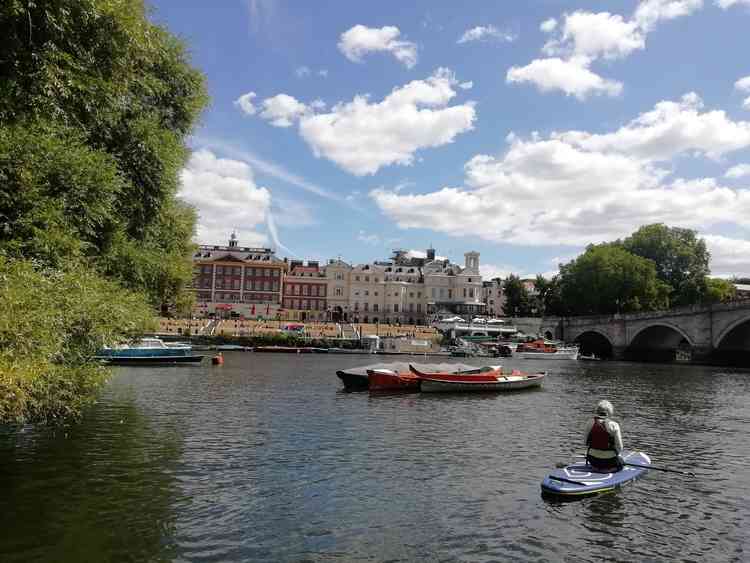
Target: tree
<point>680,257</point>
<point>607,279</point>
<point>517,301</point>
<point>95,105</point>
<point>719,290</point>
<point>550,296</point>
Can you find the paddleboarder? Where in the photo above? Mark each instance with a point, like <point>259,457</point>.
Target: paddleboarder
<point>604,439</point>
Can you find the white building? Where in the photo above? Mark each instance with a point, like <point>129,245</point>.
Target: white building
<point>411,288</point>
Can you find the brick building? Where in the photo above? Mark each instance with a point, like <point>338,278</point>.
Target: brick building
<point>305,292</point>
<point>237,280</point>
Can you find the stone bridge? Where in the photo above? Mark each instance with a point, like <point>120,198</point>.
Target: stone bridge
<point>698,332</point>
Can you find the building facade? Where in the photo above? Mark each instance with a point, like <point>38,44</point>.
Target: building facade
<point>241,280</point>
<point>494,298</point>
<point>305,292</point>
<point>410,288</point>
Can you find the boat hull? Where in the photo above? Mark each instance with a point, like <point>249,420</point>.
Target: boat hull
<point>580,479</point>
<point>509,383</point>
<point>353,381</point>
<point>391,381</point>
<point>149,360</point>
<point>559,355</point>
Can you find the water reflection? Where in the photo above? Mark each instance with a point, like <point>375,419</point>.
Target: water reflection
<point>264,459</point>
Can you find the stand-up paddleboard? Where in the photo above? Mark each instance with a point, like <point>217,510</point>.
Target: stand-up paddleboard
<point>580,479</point>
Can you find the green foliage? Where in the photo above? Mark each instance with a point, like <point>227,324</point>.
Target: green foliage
<point>95,106</point>
<point>719,290</point>
<point>608,279</point>
<point>517,300</point>
<point>680,257</point>
<point>549,296</point>
<point>53,323</point>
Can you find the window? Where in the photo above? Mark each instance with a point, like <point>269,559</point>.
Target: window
<point>295,289</point>
<point>266,286</point>
<point>376,294</point>
<point>339,276</point>
<point>219,269</point>
<point>450,294</point>
<point>442,292</point>
<point>238,271</point>
<point>220,283</point>
<point>375,307</point>
<point>236,284</point>
<point>305,290</point>
<point>367,278</point>
<point>395,307</point>
<point>419,307</point>
<point>469,280</point>
<point>377,280</point>
<point>433,293</point>
<point>338,292</point>
<point>464,292</point>
<point>367,306</point>
<point>305,304</point>
<point>411,294</point>
<point>356,306</point>
<point>367,292</point>
<point>276,273</point>
<point>206,269</point>
<point>411,307</point>
<point>356,278</point>
<point>419,294</point>
<point>471,292</point>
<point>275,285</point>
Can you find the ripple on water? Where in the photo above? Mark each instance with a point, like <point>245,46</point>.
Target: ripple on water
<point>265,459</point>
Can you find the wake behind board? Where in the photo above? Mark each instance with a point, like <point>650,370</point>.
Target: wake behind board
<point>580,479</point>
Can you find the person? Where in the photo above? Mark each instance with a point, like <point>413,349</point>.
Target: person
<point>604,439</point>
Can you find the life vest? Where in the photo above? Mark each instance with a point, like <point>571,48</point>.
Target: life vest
<point>599,438</point>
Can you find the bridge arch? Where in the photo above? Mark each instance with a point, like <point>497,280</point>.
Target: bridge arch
<point>597,342</point>
<point>659,341</point>
<point>734,334</point>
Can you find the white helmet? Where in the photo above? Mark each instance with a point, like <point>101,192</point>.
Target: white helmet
<point>604,408</point>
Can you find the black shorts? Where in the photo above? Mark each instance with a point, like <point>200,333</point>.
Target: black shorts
<point>607,464</point>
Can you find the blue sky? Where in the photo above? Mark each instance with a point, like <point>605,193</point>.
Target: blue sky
<point>522,130</point>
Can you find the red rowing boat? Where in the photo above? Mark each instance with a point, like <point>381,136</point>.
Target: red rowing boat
<point>389,380</point>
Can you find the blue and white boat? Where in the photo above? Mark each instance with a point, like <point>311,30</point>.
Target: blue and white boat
<point>149,351</point>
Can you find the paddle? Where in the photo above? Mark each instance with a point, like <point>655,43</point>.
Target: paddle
<point>688,473</point>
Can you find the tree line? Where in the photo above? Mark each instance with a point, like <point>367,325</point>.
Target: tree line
<point>656,268</point>
<point>96,103</point>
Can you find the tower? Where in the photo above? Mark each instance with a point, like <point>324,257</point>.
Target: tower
<point>471,261</point>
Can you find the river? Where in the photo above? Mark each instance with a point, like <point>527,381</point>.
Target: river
<point>267,459</point>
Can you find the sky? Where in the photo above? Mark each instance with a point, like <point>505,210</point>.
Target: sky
<point>521,130</point>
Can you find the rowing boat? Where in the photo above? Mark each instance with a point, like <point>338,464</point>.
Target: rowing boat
<point>581,479</point>
<point>490,378</point>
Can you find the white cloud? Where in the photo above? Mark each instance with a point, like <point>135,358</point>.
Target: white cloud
<point>585,34</point>
<point>725,4</point>
<point>669,129</point>
<point>743,85</point>
<point>361,40</point>
<point>282,110</point>
<point>738,171</point>
<point>486,33</point>
<point>584,37</point>
<point>371,239</point>
<point>571,76</point>
<point>466,85</point>
<point>649,12</point>
<point>245,103</point>
<point>548,25</point>
<point>573,188</point>
<point>323,72</point>
<point>729,256</point>
<point>362,137</point>
<point>226,197</point>
<point>302,72</point>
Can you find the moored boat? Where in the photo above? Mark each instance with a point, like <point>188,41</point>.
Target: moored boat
<point>355,379</point>
<point>148,351</point>
<point>486,379</point>
<point>543,350</point>
<point>388,380</point>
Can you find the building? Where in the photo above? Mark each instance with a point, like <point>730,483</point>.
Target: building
<point>411,288</point>
<point>305,292</point>
<point>236,280</point>
<point>493,297</point>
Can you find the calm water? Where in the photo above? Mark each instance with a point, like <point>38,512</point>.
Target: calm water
<point>266,459</point>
